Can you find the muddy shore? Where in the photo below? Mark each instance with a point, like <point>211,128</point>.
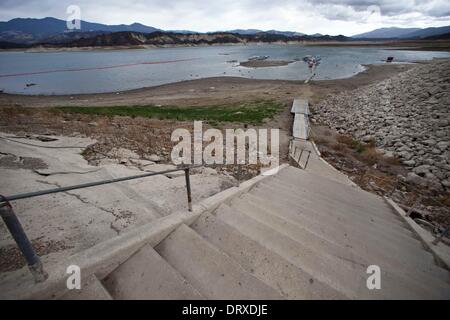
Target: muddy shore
<point>264,63</point>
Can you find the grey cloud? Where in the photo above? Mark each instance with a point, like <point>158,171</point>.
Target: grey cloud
<point>432,8</point>
<point>208,15</point>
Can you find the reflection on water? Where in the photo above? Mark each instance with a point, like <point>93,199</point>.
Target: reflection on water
<point>117,70</point>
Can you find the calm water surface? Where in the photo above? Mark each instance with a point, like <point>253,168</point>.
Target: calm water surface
<point>132,69</point>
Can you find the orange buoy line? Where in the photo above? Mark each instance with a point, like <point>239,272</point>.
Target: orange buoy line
<point>92,68</point>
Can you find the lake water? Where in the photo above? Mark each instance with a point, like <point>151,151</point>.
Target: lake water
<point>118,70</point>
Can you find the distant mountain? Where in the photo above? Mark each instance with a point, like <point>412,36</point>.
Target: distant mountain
<point>286,33</point>
<point>428,32</point>
<point>28,30</point>
<point>244,31</point>
<point>403,33</point>
<point>255,31</point>
<point>444,36</point>
<point>386,33</point>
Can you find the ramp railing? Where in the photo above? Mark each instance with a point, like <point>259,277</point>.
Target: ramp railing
<point>296,153</point>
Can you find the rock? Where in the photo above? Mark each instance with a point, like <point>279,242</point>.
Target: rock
<point>154,158</point>
<point>122,153</point>
<point>436,151</point>
<point>208,171</point>
<point>409,163</point>
<point>443,145</point>
<point>429,142</point>
<point>405,155</point>
<point>422,170</point>
<point>411,177</point>
<point>368,138</point>
<point>141,162</point>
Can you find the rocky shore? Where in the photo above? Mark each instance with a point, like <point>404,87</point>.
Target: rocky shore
<point>407,116</point>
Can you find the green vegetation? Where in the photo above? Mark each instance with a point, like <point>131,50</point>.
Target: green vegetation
<point>246,112</point>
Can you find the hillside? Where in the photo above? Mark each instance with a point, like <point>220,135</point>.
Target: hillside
<point>384,33</point>
<point>160,38</point>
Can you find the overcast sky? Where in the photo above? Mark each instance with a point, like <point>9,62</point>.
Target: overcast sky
<point>332,17</point>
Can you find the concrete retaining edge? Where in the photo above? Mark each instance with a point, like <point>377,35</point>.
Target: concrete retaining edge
<point>440,251</point>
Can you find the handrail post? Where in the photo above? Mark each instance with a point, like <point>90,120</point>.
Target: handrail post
<point>188,188</point>
<point>24,244</point>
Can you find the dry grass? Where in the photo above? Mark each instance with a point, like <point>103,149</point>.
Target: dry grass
<point>391,161</point>
<point>338,146</point>
<point>345,139</point>
<point>445,200</point>
<point>370,155</point>
<point>321,141</point>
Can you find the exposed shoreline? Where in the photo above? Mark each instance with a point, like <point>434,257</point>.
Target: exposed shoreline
<point>424,45</point>
<point>207,91</point>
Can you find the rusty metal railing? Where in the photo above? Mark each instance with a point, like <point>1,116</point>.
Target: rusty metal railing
<point>20,237</point>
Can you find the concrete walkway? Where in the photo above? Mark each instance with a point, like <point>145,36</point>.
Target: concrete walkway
<point>300,109</point>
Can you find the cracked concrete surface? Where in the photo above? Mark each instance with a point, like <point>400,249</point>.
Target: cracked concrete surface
<point>85,217</point>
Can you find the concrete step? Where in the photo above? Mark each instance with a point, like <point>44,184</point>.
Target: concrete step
<point>428,281</point>
<point>92,289</point>
<point>313,183</point>
<point>357,217</point>
<point>347,277</point>
<point>291,281</point>
<point>347,197</point>
<point>146,275</point>
<point>372,248</point>
<point>323,214</point>
<point>359,213</point>
<point>211,271</point>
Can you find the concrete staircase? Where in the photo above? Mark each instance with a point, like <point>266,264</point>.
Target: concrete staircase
<point>293,235</point>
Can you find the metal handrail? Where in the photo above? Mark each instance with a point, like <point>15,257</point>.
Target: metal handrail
<point>15,228</point>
